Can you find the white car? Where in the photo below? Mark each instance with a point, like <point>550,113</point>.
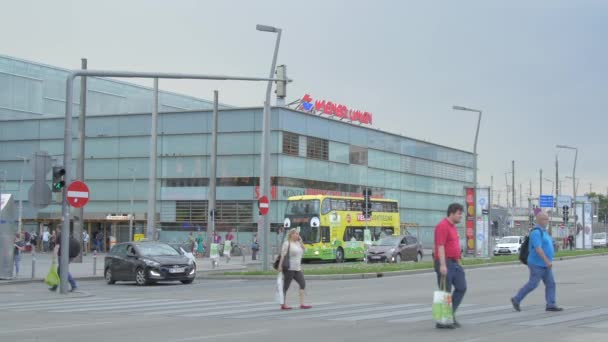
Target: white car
<point>508,245</point>
<point>599,240</point>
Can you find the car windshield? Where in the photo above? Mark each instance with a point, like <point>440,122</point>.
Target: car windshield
<point>509,240</point>
<point>157,249</point>
<point>599,236</point>
<point>390,241</point>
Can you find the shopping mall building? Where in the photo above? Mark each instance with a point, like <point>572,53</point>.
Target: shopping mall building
<point>316,147</point>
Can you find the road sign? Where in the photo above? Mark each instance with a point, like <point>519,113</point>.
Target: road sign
<point>78,194</point>
<point>264,205</point>
<point>546,201</point>
<point>564,201</point>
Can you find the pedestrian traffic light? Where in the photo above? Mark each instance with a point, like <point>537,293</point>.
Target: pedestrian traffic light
<point>58,181</point>
<point>565,213</point>
<point>281,73</point>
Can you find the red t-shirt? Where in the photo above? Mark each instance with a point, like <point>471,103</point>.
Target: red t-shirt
<point>446,235</point>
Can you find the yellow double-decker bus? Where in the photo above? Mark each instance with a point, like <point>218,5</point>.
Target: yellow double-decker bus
<point>334,228</point>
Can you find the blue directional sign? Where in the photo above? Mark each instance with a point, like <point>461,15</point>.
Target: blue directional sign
<point>546,201</point>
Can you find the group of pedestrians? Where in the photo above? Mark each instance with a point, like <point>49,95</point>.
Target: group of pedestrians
<point>448,263</point>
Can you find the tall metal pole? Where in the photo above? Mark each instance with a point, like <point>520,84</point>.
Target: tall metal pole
<point>513,185</point>
<point>21,196</point>
<point>151,220</point>
<point>213,175</point>
<point>79,217</point>
<point>574,193</point>
<point>264,228</point>
<point>556,181</point>
<point>67,164</point>
<point>132,216</point>
<point>475,152</point>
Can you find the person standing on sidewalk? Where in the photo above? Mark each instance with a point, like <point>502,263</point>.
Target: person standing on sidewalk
<point>46,238</point>
<point>255,247</point>
<point>74,250</point>
<point>540,263</point>
<point>293,249</point>
<point>19,247</point>
<point>85,242</point>
<point>448,264</point>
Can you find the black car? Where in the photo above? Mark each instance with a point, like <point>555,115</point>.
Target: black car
<point>146,263</point>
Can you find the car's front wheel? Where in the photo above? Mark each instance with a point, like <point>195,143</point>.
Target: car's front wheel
<point>140,277</point>
<point>397,258</point>
<point>418,257</point>
<point>108,276</point>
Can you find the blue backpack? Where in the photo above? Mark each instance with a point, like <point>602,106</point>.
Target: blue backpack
<point>524,251</point>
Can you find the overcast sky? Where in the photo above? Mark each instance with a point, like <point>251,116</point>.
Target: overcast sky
<point>537,69</point>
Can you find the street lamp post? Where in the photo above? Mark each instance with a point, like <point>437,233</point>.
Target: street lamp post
<point>20,195</point>
<point>132,216</point>
<point>476,138</point>
<point>264,221</point>
<point>550,181</point>
<point>573,183</point>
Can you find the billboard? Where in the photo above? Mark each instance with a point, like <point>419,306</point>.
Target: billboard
<point>470,220</point>
<point>482,218</point>
<point>584,224</point>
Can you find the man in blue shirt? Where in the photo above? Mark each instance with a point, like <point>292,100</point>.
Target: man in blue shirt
<point>540,263</point>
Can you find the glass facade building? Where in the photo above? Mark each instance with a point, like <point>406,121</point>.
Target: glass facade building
<point>310,154</point>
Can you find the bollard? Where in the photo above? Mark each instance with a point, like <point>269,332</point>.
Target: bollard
<point>95,262</point>
<point>33,263</point>
<point>243,253</point>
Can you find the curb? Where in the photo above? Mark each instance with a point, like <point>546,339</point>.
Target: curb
<point>216,276</point>
<point>199,274</point>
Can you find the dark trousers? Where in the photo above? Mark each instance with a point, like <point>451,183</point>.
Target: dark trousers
<point>254,254</point>
<point>298,276</point>
<point>456,278</point>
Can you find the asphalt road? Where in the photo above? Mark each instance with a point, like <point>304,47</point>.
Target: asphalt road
<point>379,309</point>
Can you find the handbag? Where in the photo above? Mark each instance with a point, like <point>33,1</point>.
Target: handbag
<point>285,260</point>
<point>52,278</point>
<point>442,305</point>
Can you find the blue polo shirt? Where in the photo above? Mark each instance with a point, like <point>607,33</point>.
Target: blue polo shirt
<point>544,241</point>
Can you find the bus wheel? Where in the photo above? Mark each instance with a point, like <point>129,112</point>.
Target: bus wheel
<point>339,255</point>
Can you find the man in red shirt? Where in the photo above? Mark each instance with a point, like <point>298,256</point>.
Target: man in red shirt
<point>447,258</point>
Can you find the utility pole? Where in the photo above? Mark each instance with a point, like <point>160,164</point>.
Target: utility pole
<point>212,176</point>
<point>513,182</point>
<point>492,189</point>
<point>79,217</point>
<point>151,219</point>
<point>521,195</point>
<point>556,182</point>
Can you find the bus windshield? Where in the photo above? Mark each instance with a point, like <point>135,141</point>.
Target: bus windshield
<point>309,234</point>
<point>304,207</point>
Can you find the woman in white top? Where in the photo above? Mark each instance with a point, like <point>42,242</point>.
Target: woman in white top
<point>296,249</point>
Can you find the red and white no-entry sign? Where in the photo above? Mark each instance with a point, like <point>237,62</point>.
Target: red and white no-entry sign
<point>264,205</point>
<point>78,194</point>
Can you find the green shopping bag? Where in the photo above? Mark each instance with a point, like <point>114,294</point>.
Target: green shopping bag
<point>442,305</point>
<point>52,278</point>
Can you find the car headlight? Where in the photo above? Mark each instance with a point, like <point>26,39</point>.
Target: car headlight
<point>151,263</point>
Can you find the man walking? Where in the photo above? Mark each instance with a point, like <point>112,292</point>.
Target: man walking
<point>447,255</point>
<point>74,250</point>
<point>540,263</point>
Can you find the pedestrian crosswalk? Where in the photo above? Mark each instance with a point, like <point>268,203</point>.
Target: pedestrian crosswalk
<point>388,313</point>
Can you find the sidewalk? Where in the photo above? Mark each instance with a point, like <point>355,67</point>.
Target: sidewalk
<point>86,268</point>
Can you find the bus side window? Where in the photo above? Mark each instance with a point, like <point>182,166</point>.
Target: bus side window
<point>326,207</point>
<point>325,234</point>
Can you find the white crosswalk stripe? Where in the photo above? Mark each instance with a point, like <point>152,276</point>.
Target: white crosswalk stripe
<point>406,313</point>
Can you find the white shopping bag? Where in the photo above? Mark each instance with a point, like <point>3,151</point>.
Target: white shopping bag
<point>278,292</point>
<point>442,305</point>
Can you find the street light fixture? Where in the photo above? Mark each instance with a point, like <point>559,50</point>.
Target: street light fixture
<point>264,221</point>
<point>476,137</point>
<point>566,147</point>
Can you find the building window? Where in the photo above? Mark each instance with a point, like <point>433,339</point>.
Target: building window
<point>291,144</point>
<point>317,148</point>
<point>358,155</point>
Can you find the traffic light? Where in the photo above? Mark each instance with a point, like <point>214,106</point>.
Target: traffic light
<point>565,213</point>
<point>58,181</point>
<point>281,73</point>
<point>367,203</point>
